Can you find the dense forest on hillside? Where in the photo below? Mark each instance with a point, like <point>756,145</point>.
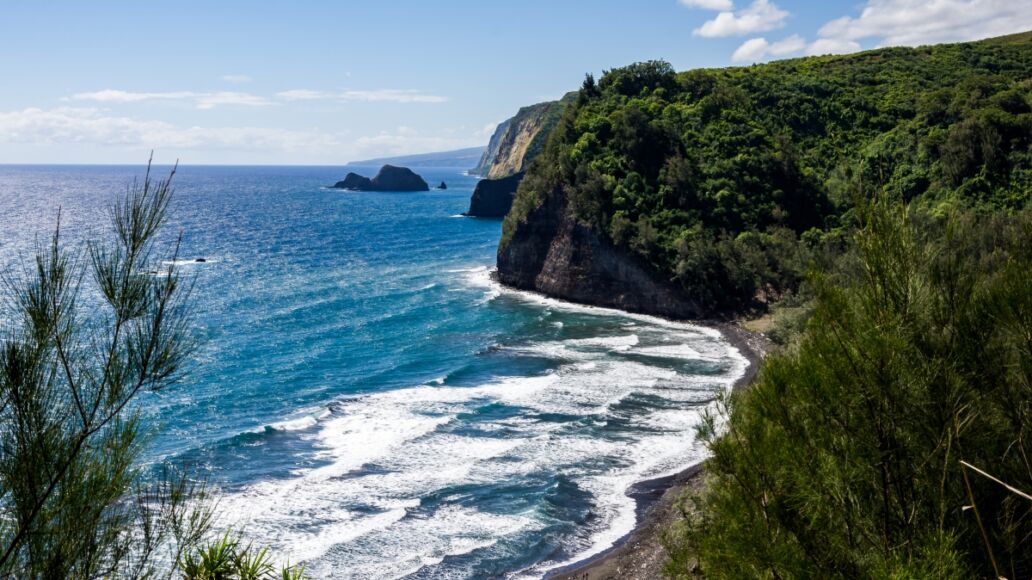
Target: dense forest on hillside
<point>731,182</point>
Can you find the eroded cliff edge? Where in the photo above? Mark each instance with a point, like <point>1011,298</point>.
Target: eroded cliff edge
<point>516,141</point>
<point>551,253</point>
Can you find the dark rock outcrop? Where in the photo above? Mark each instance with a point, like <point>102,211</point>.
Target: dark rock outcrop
<point>492,198</point>
<point>354,182</point>
<point>389,178</point>
<point>552,253</point>
<point>442,186</point>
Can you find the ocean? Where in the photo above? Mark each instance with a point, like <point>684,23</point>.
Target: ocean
<point>368,400</point>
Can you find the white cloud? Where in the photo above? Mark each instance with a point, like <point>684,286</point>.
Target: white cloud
<point>371,96</point>
<point>303,95</point>
<point>236,78</point>
<point>832,46</point>
<point>753,50</point>
<point>708,4</point>
<point>760,16</point>
<point>114,96</point>
<point>200,100</point>
<point>210,100</point>
<point>78,125</point>
<point>392,96</point>
<point>86,128</point>
<point>487,131</point>
<point>757,49</point>
<point>406,140</point>
<point>916,22</point>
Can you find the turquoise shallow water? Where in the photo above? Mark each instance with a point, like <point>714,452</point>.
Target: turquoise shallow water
<point>369,401</point>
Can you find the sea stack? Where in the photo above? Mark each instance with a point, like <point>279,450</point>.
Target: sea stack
<point>389,178</point>
<point>492,198</point>
<point>354,182</point>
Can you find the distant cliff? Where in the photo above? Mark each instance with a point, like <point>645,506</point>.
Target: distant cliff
<point>518,140</point>
<point>457,158</point>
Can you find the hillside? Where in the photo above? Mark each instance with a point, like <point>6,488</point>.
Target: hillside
<point>711,191</point>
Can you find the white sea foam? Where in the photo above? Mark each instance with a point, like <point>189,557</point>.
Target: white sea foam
<point>304,420</point>
<point>363,510</point>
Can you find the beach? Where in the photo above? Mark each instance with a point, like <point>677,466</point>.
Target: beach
<point>640,555</point>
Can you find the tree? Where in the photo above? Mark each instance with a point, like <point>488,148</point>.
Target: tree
<point>891,440</point>
<point>86,333</point>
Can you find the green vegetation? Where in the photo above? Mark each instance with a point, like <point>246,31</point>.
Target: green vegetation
<point>732,182</point>
<point>84,334</point>
<point>846,459</point>
<point>228,558</point>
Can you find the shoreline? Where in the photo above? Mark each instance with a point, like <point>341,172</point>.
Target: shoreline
<point>640,554</point>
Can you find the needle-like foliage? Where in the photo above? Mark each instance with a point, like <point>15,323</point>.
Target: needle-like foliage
<point>893,439</point>
<point>84,335</point>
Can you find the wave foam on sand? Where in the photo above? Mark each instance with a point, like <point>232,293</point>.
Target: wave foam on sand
<point>397,469</point>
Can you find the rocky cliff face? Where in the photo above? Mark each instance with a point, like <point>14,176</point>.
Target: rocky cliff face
<point>389,178</point>
<point>550,252</point>
<point>518,140</point>
<point>492,198</point>
<point>493,147</point>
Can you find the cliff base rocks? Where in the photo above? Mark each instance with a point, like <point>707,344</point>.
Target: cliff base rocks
<point>553,254</point>
<point>492,198</point>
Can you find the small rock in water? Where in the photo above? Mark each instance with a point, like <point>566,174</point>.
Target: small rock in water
<point>442,186</point>
<point>200,260</point>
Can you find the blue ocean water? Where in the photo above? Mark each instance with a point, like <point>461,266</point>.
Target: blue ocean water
<point>368,400</point>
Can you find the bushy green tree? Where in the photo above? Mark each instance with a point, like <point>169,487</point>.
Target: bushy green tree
<point>849,456</point>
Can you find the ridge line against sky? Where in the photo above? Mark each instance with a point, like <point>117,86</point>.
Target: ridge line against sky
<point>320,83</point>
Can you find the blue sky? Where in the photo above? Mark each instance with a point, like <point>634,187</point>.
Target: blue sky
<point>326,82</point>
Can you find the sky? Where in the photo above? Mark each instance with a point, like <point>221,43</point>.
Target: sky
<point>323,83</point>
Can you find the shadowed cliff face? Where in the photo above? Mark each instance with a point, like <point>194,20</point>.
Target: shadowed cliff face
<point>492,198</point>
<point>553,254</point>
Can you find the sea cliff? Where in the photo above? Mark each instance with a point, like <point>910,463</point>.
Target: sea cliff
<point>516,141</point>
<point>551,252</point>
